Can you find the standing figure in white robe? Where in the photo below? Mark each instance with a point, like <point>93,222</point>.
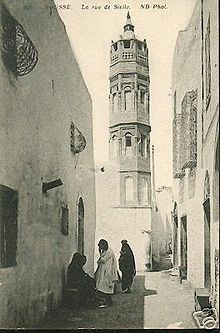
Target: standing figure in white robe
<point>106,273</point>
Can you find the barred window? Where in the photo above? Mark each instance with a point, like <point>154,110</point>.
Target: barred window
<point>77,140</point>
<point>18,51</point>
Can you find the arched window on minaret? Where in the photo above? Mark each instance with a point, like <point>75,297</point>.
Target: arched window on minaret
<point>142,96</point>
<point>127,44</point>
<point>128,100</point>
<point>114,147</point>
<point>128,145</point>
<point>142,145</point>
<point>114,102</point>
<point>129,189</point>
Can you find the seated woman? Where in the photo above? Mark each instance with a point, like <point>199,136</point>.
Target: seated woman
<point>78,279</point>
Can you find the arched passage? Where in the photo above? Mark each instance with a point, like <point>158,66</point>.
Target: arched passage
<point>80,226</point>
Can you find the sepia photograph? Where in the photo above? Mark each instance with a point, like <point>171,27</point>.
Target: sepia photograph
<point>109,167</point>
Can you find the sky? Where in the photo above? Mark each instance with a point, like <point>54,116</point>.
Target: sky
<point>91,27</point>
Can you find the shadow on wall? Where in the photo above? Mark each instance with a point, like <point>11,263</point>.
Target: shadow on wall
<point>139,287</point>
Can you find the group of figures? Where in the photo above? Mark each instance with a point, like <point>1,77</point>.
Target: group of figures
<point>97,291</point>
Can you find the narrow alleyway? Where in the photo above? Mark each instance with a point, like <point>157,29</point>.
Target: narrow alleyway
<point>157,301</point>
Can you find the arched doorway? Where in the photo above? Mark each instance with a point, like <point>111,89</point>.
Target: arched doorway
<point>207,240</point>
<point>80,226</point>
<point>175,236</point>
<point>183,245</point>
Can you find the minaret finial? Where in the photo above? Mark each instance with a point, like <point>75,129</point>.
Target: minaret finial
<point>129,26</point>
<point>128,19</point>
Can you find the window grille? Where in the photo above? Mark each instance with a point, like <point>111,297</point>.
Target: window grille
<point>18,52</point>
<point>77,140</point>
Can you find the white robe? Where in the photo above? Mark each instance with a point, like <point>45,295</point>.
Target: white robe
<point>106,273</point>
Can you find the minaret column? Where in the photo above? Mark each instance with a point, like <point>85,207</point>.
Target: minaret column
<point>136,93</point>
<point>110,102</point>
<point>119,82</point>
<point>139,96</point>
<point>116,102</point>
<point>145,102</point>
<point>136,82</point>
<point>133,100</point>
<point>122,100</point>
<point>123,146</point>
<point>136,144</point>
<point>119,101</point>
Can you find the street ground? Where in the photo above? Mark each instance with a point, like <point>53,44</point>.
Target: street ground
<point>157,301</point>
<point>173,304</point>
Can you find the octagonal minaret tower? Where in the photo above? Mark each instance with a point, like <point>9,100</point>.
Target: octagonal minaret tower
<point>129,125</point>
<point>129,133</point>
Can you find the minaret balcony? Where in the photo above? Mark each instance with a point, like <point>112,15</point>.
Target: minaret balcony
<point>123,55</point>
<point>141,116</point>
<point>125,66</point>
<point>134,163</point>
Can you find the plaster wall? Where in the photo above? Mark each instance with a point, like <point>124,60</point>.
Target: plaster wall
<point>36,112</point>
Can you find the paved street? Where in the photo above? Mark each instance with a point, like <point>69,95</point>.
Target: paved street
<point>172,306</point>
<point>157,301</point>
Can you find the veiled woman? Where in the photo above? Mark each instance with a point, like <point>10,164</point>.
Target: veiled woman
<point>78,279</point>
<point>127,266</point>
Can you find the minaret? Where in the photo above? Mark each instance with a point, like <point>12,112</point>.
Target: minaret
<point>129,125</point>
